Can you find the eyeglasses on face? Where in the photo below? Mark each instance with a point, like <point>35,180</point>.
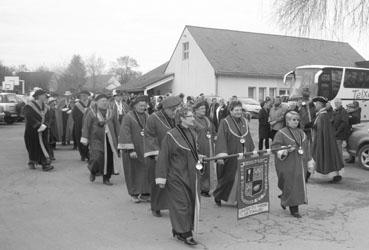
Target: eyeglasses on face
<point>295,119</point>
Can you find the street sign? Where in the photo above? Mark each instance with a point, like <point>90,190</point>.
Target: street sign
<point>253,193</point>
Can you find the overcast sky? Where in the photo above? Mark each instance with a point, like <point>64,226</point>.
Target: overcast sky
<point>49,32</point>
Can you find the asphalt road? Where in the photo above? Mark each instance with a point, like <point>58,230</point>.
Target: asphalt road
<point>61,209</point>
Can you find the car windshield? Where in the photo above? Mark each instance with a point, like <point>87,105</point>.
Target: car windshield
<point>304,78</point>
<point>249,101</point>
<point>11,98</point>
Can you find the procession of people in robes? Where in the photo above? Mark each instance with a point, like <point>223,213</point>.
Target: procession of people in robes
<point>161,153</point>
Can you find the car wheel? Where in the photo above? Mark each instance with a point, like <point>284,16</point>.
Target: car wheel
<point>363,157</point>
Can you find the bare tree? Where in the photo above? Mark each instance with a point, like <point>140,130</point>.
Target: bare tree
<point>95,67</point>
<point>124,68</point>
<point>305,16</point>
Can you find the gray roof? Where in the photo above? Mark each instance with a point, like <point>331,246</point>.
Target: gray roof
<point>140,83</point>
<point>245,53</point>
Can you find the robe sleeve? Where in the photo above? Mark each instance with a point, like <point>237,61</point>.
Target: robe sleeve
<point>116,125</point>
<point>86,128</point>
<point>277,143</point>
<point>125,141</point>
<point>221,146</point>
<point>151,139</point>
<point>161,169</point>
<point>31,118</point>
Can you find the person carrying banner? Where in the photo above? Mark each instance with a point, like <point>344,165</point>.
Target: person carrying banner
<point>100,130</point>
<point>205,137</point>
<point>157,125</point>
<point>176,170</point>
<point>325,151</point>
<point>233,138</point>
<point>36,133</point>
<point>291,164</point>
<point>131,142</point>
<point>78,113</point>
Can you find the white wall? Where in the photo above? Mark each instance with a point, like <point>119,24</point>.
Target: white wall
<point>194,75</point>
<point>239,86</point>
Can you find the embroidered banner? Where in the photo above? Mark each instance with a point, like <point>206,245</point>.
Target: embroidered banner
<point>253,189</point>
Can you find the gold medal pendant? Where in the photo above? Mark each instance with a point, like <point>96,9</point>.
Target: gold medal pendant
<point>242,140</point>
<point>300,151</point>
<point>208,135</point>
<point>199,166</point>
<point>142,133</point>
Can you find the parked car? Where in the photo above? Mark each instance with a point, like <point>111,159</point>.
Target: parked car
<point>358,144</point>
<point>251,106</point>
<point>8,103</point>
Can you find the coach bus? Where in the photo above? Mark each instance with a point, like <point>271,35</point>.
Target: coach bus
<point>346,83</point>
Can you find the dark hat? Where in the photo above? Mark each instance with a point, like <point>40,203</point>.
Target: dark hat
<point>198,104</point>
<point>100,96</point>
<point>171,101</point>
<point>141,98</point>
<point>39,92</point>
<point>84,92</point>
<point>321,99</point>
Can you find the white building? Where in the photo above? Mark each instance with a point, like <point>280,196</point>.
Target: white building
<point>223,63</point>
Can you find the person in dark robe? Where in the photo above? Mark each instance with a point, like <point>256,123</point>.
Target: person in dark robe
<point>291,164</point>
<point>354,113</point>
<point>307,112</point>
<point>157,125</point>
<point>131,142</point>
<point>176,171</point>
<point>340,124</point>
<point>205,137</point>
<point>64,105</point>
<point>100,130</point>
<point>264,126</point>
<point>213,111</point>
<point>119,106</point>
<point>220,113</point>
<point>324,150</point>
<point>78,113</point>
<point>71,135</point>
<point>233,137</point>
<point>53,130</point>
<point>36,116</point>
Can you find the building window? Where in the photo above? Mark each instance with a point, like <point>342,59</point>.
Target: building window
<point>272,92</point>
<point>283,92</point>
<point>262,92</point>
<point>186,50</point>
<point>252,92</point>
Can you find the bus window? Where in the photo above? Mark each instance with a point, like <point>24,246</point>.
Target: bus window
<point>325,87</point>
<point>336,81</point>
<point>358,79</point>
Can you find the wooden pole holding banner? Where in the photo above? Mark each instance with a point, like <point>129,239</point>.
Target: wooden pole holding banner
<point>256,152</point>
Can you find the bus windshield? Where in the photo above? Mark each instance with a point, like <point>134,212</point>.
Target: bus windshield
<point>304,78</point>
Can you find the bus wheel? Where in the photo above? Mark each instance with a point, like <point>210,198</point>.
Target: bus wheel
<point>363,156</point>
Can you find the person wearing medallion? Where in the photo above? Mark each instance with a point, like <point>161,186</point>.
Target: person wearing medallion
<point>36,115</point>
<point>100,130</point>
<point>306,109</point>
<point>178,170</point>
<point>291,164</point>
<point>205,137</point>
<point>119,106</point>
<point>64,106</point>
<point>325,151</point>
<point>78,113</point>
<point>157,125</point>
<point>233,137</point>
<point>131,142</point>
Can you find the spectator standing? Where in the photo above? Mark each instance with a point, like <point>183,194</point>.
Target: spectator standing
<point>264,126</point>
<point>340,123</point>
<point>276,115</point>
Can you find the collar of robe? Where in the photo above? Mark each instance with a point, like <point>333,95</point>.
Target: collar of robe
<point>231,129</point>
<point>191,146</point>
<point>40,111</point>
<point>164,119</point>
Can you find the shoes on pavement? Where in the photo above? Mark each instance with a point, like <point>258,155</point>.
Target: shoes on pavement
<point>144,198</point>
<point>218,202</point>
<point>92,177</point>
<point>336,179</point>
<point>108,183</point>
<point>135,199</point>
<point>156,213</point>
<point>31,165</point>
<point>47,167</point>
<point>296,215</point>
<point>205,194</point>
